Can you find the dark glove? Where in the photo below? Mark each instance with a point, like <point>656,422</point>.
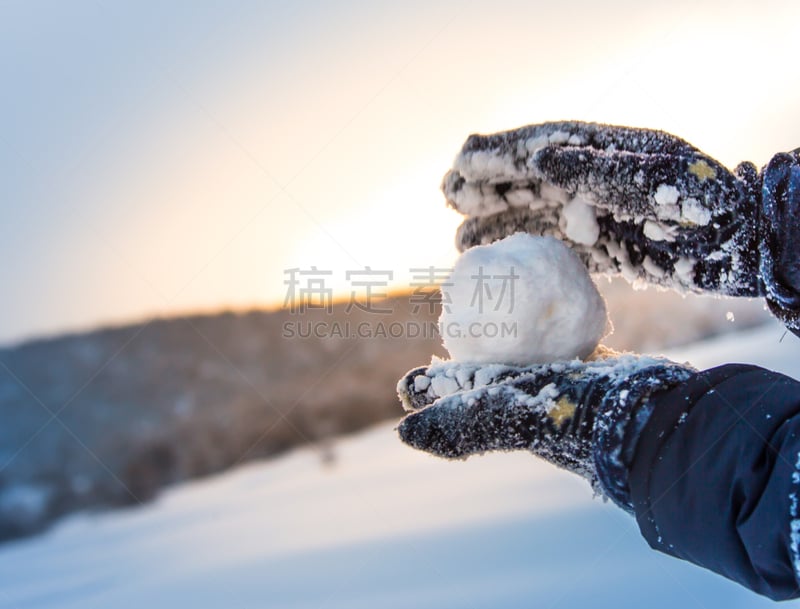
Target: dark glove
<point>582,416</point>
<point>641,203</point>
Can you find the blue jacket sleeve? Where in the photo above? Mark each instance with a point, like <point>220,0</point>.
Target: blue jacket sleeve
<point>715,476</point>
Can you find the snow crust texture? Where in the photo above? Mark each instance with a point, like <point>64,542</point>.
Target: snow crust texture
<point>584,417</point>
<point>636,202</point>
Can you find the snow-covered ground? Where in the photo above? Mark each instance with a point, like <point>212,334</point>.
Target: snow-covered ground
<point>384,526</point>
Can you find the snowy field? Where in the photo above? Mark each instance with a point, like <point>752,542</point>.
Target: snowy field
<point>383,526</point>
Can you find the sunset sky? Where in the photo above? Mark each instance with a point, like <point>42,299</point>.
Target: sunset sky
<point>159,158</point>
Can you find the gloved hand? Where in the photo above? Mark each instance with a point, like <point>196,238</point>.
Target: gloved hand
<point>641,203</point>
<point>582,416</point>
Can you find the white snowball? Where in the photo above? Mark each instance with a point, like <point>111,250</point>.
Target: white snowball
<point>522,300</point>
<point>580,222</point>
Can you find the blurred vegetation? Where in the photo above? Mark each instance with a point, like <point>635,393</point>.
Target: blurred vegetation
<point>109,417</point>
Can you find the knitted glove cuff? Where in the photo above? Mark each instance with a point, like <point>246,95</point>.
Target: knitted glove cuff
<point>779,232</point>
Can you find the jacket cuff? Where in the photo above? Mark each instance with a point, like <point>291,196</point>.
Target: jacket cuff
<point>713,474</point>
<point>625,411</point>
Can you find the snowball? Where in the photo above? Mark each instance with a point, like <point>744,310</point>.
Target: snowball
<point>693,212</point>
<point>657,232</point>
<point>666,198</point>
<point>551,193</point>
<point>522,300</point>
<point>684,271</point>
<point>666,195</point>
<point>580,222</point>
<point>521,197</point>
<point>421,382</point>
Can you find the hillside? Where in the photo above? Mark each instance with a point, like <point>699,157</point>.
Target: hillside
<point>147,405</point>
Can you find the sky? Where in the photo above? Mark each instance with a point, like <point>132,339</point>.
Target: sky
<point>163,158</point>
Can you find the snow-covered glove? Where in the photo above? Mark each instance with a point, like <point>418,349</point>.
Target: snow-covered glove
<point>641,203</point>
<point>582,416</point>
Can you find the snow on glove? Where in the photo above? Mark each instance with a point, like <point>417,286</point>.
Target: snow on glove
<point>638,202</point>
<point>581,416</point>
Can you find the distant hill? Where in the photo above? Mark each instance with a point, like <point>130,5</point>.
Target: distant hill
<point>142,406</point>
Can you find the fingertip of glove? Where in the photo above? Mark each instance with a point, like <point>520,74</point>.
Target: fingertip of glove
<point>411,430</point>
<point>424,432</point>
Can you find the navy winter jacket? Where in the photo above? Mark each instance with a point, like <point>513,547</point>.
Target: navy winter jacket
<point>715,477</point>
